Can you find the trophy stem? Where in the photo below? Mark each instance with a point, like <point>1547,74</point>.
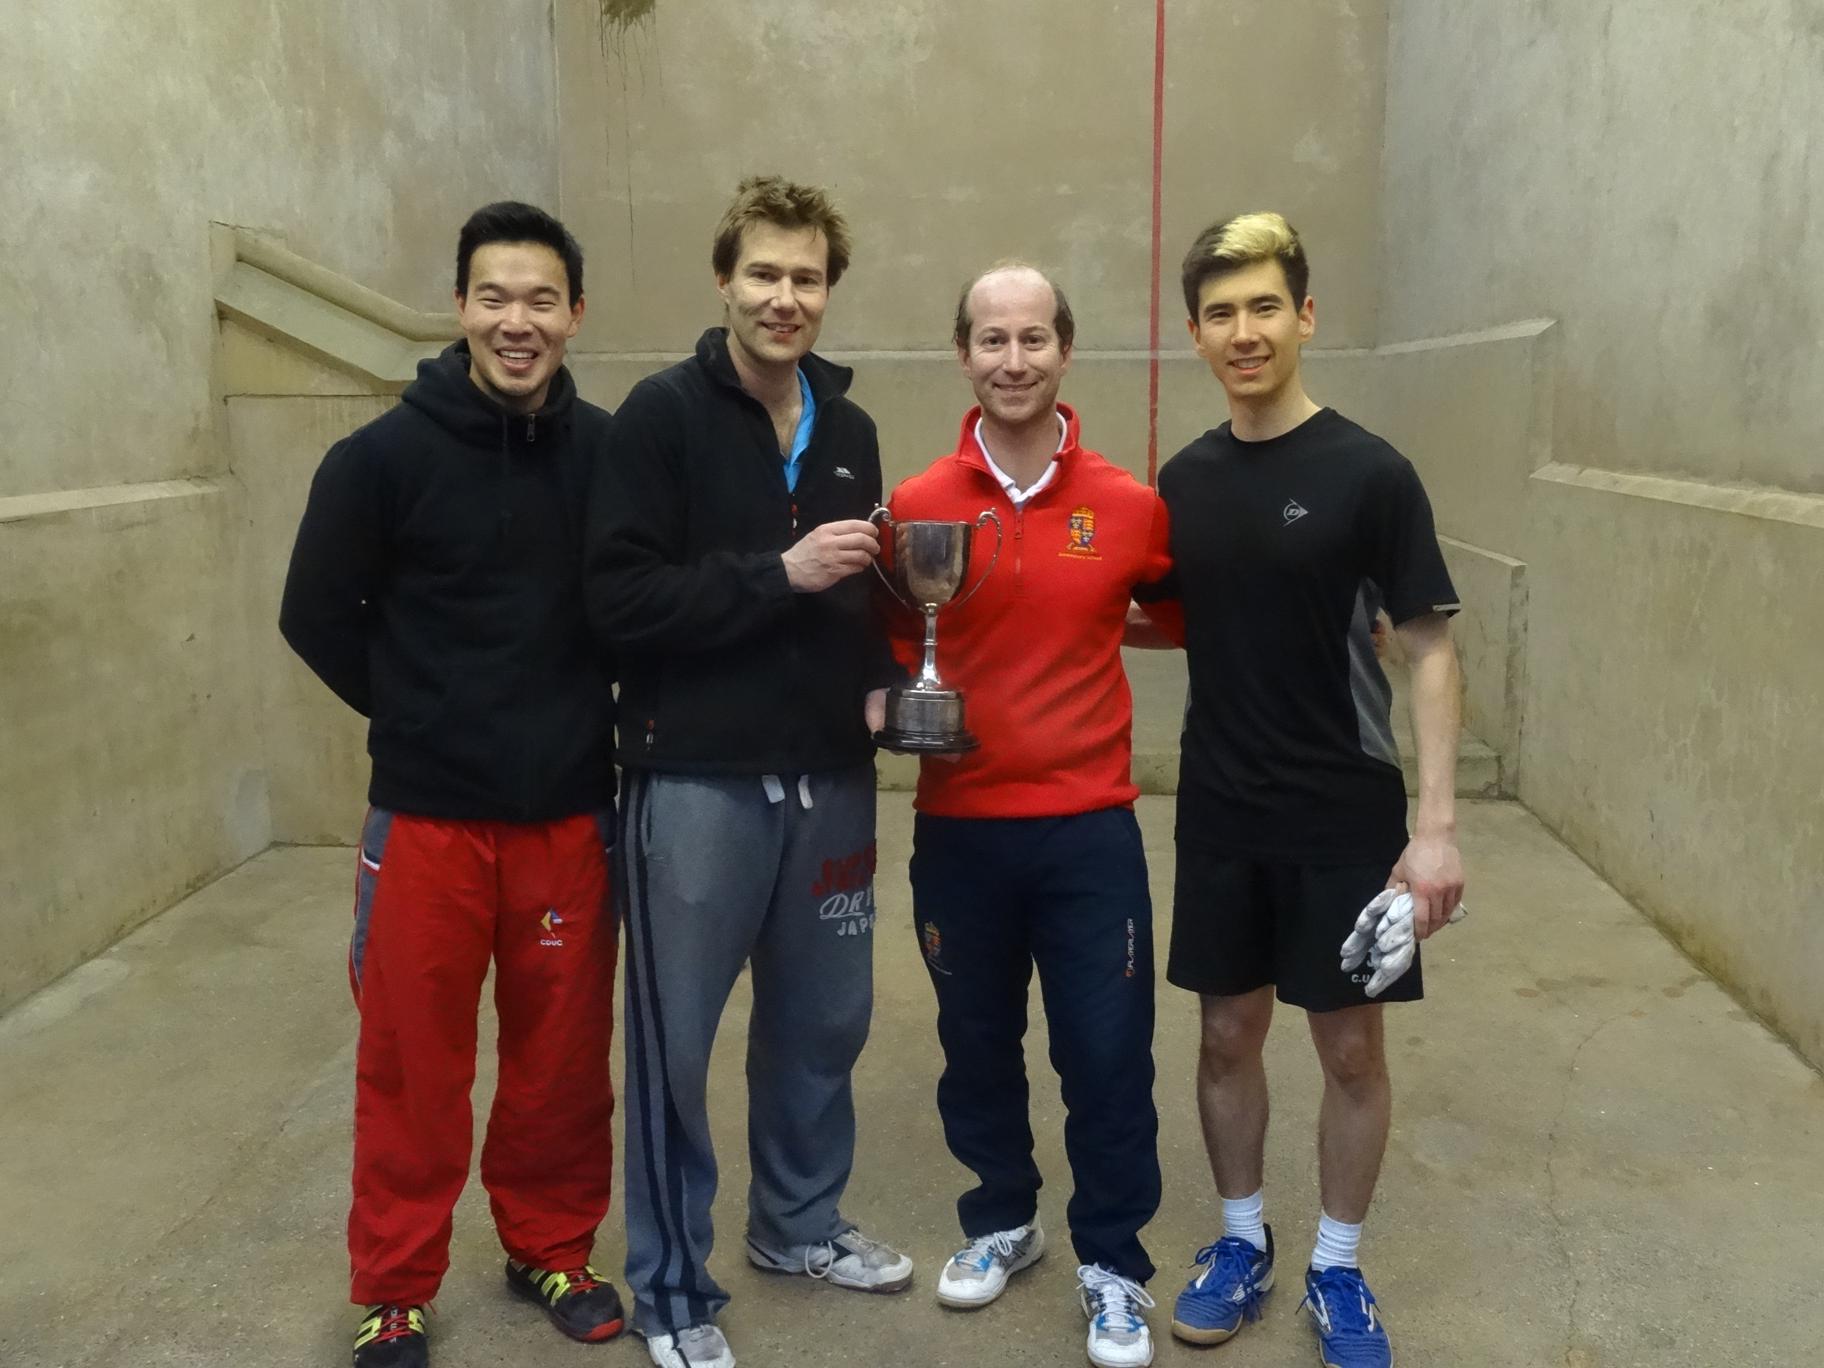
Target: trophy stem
<point>927,677</point>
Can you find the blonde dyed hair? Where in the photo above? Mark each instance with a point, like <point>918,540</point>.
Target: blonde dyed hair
<point>1239,242</point>
<point>787,204</point>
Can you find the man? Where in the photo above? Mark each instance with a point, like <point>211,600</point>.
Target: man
<point>728,528</point>
<point>436,586</point>
<point>1026,851</point>
<point>1291,529</point>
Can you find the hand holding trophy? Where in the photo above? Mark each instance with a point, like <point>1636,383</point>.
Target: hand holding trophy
<point>929,563</point>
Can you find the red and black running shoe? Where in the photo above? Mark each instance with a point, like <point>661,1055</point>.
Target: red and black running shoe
<point>392,1337</point>
<point>580,1301</point>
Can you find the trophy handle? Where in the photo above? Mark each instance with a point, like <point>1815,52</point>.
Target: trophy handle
<point>1000,536</point>
<point>883,517</point>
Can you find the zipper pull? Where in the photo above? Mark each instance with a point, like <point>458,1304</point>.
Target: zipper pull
<point>531,427</point>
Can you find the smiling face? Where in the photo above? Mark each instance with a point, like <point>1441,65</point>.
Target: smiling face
<point>518,318</point>
<point>1014,358</point>
<point>776,294</point>
<point>1249,331</point>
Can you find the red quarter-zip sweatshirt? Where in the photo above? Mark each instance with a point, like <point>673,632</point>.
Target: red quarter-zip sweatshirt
<point>1037,649</point>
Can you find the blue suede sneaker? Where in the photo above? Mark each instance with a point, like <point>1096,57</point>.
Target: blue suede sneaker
<point>1233,1278</point>
<point>1349,1329</point>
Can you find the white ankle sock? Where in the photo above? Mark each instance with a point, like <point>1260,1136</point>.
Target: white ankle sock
<point>1336,1244</point>
<point>1242,1217</point>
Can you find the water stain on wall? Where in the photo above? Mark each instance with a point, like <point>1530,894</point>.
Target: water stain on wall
<point>619,18</point>
<point>624,14</point>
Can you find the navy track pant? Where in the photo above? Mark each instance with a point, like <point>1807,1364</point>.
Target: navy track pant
<point>993,898</point>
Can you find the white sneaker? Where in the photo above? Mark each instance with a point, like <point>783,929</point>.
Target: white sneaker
<point>977,1274</point>
<point>699,1346</point>
<point>1118,1337</point>
<point>850,1260</point>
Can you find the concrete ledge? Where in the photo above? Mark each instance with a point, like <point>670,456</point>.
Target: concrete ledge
<point>1521,329</point>
<point>1749,501</point>
<point>20,507</point>
<point>270,258</point>
<point>279,296</point>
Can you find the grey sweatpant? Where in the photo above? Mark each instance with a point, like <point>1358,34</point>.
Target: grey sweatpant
<point>716,872</point>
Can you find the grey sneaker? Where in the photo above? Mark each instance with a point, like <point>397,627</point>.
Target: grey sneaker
<point>978,1273</point>
<point>699,1346</point>
<point>851,1259</point>
<point>1118,1337</point>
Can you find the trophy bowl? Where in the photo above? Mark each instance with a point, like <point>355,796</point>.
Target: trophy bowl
<point>930,562</point>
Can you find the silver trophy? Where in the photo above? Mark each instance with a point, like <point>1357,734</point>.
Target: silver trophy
<point>930,561</point>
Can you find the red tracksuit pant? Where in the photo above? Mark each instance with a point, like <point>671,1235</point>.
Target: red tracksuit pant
<point>436,900</point>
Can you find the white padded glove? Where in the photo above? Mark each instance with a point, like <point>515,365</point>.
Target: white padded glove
<point>1383,937</point>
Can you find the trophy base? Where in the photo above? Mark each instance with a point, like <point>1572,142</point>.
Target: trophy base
<point>916,743</point>
<point>925,721</point>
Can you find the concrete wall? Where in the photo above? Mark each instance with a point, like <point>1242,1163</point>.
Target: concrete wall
<point>1642,174</point>
<point>957,133</point>
<point>130,768</point>
<point>313,747</point>
<point>130,662</point>
<point>362,133</point>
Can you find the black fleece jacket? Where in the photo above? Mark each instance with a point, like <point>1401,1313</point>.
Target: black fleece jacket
<point>436,586</point>
<point>723,668</point>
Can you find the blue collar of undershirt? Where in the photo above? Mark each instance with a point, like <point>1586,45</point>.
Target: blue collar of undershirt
<point>801,439</point>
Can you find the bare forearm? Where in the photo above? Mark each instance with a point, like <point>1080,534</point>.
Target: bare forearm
<point>1437,724</point>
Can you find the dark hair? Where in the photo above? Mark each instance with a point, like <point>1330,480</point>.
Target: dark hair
<point>1063,322</point>
<point>511,221</point>
<point>1240,242</point>
<point>786,204</point>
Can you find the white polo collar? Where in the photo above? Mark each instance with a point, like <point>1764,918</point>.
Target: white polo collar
<point>1017,495</point>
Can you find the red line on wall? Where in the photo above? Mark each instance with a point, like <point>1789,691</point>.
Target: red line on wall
<point>1152,345</point>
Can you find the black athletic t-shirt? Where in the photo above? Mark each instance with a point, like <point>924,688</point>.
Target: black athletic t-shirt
<point>1283,551</point>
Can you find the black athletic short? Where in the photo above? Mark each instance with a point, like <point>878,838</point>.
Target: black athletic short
<point>1240,924</point>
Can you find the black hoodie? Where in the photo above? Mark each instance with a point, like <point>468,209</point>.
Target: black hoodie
<point>436,587</point>
<point>724,669</point>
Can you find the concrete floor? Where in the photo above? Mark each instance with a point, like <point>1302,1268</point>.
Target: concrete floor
<point>1598,1159</point>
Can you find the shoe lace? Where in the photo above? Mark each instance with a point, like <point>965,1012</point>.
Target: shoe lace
<point>979,1251</point>
<point>397,1322</point>
<point>850,1242</point>
<point>561,1282</point>
<point>584,1279</point>
<point>1230,1263</point>
<point>1117,1299</point>
<point>1341,1302</point>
